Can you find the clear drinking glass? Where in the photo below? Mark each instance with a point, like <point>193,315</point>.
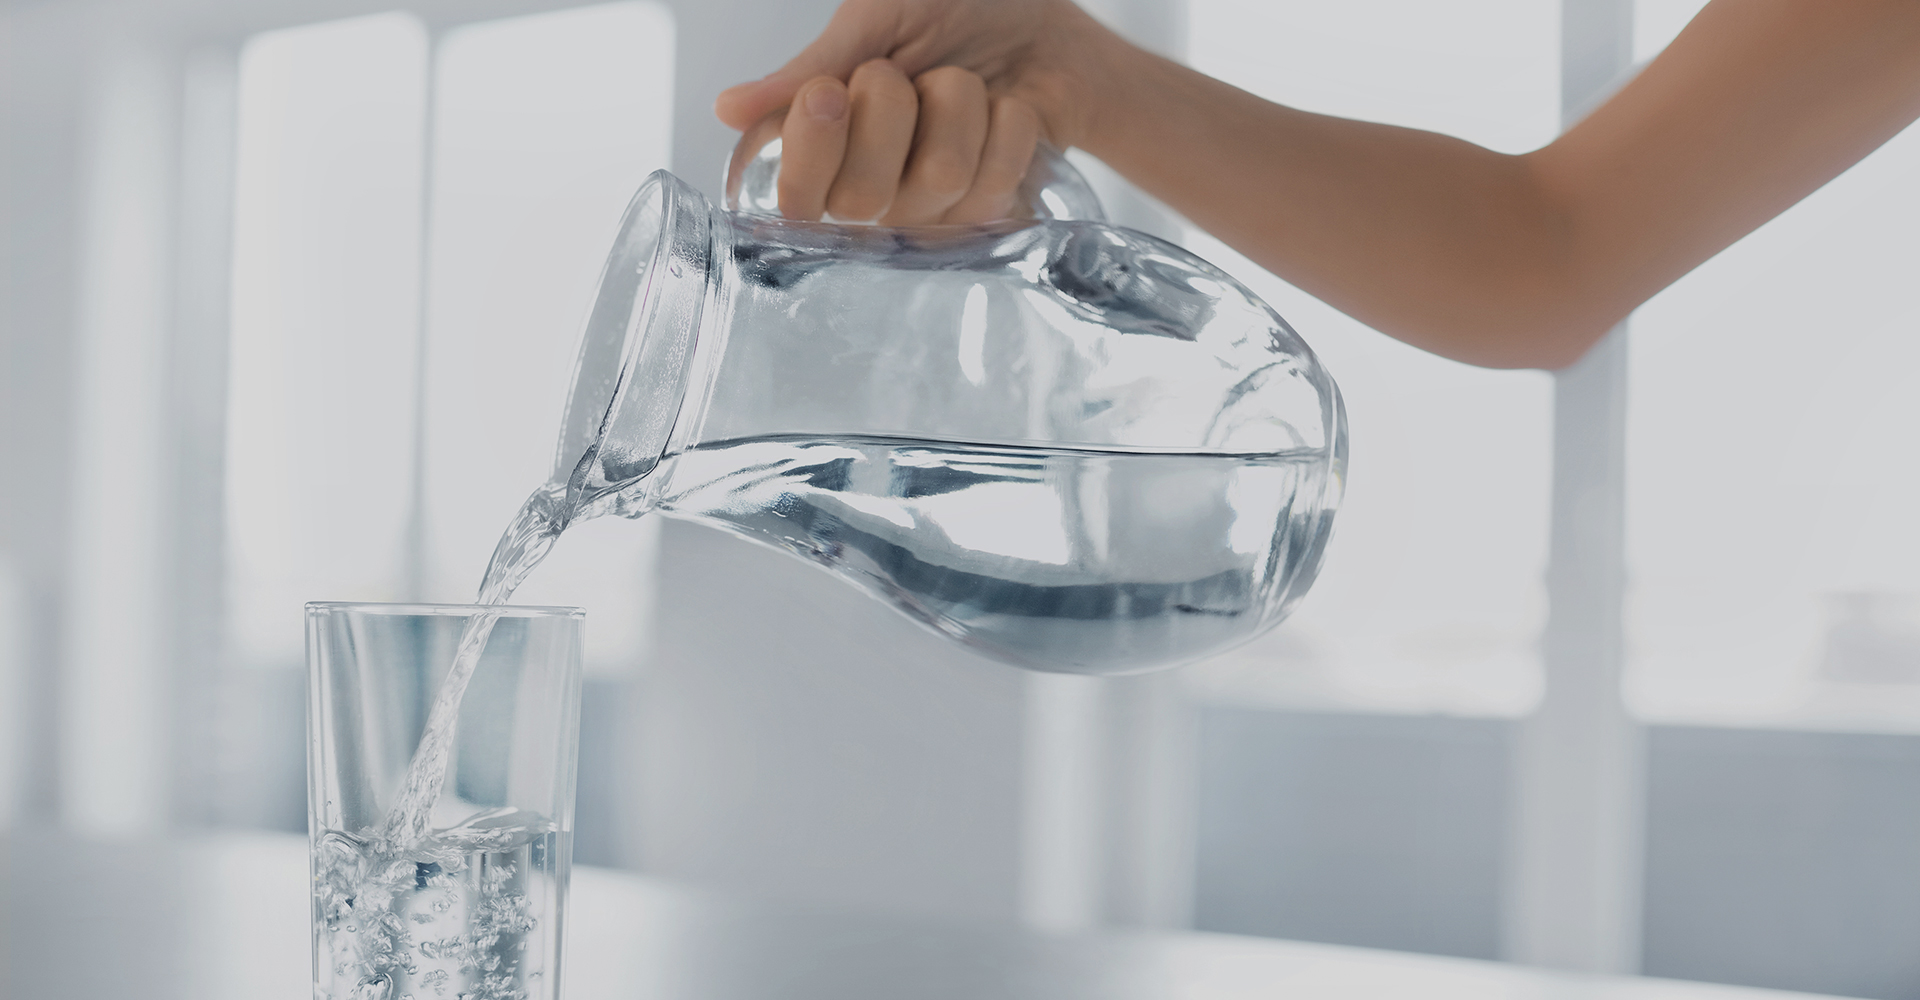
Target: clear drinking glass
<point>475,908</point>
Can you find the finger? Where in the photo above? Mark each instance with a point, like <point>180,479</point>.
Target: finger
<point>860,30</point>
<point>1013,133</point>
<point>884,109</point>
<point>947,141</point>
<point>812,141</point>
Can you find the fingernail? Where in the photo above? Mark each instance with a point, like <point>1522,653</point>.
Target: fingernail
<point>826,103</point>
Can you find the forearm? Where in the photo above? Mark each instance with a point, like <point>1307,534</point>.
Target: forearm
<point>1441,243</point>
<point>1523,261</point>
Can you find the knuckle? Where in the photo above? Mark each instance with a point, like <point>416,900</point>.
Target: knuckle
<point>1014,113</point>
<point>889,91</point>
<point>994,185</point>
<point>822,100</point>
<point>857,204</point>
<point>999,174</point>
<point>817,83</point>
<point>798,191</point>
<point>950,83</point>
<point>945,172</point>
<point>979,207</point>
<point>877,70</point>
<point>1011,146</point>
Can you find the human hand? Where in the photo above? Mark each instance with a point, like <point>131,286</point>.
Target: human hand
<point>913,112</point>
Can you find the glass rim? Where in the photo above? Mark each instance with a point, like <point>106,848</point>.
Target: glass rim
<point>423,610</point>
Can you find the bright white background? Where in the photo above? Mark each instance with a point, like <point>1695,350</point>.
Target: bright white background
<point>1774,463</point>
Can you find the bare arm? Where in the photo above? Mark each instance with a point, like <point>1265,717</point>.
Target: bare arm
<point>1493,259</point>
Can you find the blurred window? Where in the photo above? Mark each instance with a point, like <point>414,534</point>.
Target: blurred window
<point>367,461</point>
<point>326,302</point>
<point>1774,464</point>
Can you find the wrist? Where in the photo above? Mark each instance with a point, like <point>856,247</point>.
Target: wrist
<point>1091,64</point>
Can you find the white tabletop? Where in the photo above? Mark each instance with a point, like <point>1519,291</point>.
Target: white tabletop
<point>225,918</point>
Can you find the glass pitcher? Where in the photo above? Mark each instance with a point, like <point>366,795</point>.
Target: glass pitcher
<point>1069,446</point>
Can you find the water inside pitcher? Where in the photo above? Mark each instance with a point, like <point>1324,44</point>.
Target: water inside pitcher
<point>1071,447</point>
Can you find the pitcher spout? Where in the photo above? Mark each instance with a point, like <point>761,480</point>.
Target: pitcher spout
<point>632,394</point>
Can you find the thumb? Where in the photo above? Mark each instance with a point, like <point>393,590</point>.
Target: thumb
<point>859,31</point>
